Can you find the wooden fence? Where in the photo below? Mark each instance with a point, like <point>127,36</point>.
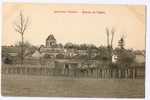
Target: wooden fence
<point>131,72</point>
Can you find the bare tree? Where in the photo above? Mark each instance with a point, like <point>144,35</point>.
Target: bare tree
<point>112,37</point>
<point>110,45</point>
<point>20,27</point>
<point>107,33</point>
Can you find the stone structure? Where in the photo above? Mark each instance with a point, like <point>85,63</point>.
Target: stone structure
<point>51,41</point>
<point>51,47</point>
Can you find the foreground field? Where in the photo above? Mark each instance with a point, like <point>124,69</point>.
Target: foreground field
<point>17,85</point>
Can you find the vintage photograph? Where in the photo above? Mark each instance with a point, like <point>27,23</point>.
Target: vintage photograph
<point>73,50</point>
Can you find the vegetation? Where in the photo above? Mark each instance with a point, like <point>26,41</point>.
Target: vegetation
<point>101,53</point>
<point>124,55</point>
<point>12,54</point>
<point>20,27</point>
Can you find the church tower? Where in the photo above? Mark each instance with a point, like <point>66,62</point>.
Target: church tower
<point>51,41</point>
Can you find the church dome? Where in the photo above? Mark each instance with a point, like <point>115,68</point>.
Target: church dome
<point>51,37</point>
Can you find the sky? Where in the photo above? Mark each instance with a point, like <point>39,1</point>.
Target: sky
<point>68,23</point>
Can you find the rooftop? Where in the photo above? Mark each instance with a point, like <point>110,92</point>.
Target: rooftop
<point>51,37</point>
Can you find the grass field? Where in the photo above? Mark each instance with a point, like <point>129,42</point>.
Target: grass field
<point>21,85</point>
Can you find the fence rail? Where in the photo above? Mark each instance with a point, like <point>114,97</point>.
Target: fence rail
<point>99,72</point>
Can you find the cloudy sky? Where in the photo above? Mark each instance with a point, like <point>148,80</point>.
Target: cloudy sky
<point>68,23</point>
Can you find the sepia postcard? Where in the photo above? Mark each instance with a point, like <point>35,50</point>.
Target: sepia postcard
<point>73,50</point>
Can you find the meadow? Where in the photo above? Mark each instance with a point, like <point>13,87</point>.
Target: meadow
<point>59,86</point>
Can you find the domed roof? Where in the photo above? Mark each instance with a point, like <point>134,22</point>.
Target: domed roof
<point>51,37</point>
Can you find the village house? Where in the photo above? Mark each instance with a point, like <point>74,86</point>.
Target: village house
<point>70,53</point>
<point>140,57</point>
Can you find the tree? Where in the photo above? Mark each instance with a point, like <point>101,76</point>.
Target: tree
<point>68,45</point>
<point>121,43</point>
<point>28,48</point>
<point>110,42</point>
<point>103,54</point>
<point>83,47</point>
<point>60,45</point>
<point>20,27</point>
<point>47,56</point>
<point>124,56</point>
<point>8,60</point>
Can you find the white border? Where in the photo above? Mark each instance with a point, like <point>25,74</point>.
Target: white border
<point>133,2</point>
<point>147,81</point>
<point>82,1</point>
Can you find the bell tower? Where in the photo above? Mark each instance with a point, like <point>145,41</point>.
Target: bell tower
<point>50,41</point>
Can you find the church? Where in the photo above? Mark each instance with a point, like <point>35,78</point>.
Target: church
<point>51,47</point>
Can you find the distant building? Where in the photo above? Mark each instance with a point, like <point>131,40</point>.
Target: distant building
<point>139,56</point>
<point>51,47</point>
<point>10,50</point>
<point>114,58</point>
<point>36,54</point>
<point>70,52</point>
<point>50,41</point>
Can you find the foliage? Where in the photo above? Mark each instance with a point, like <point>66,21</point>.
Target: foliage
<point>102,54</point>
<point>60,56</point>
<point>28,48</point>
<point>7,59</point>
<point>47,56</point>
<point>124,55</point>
